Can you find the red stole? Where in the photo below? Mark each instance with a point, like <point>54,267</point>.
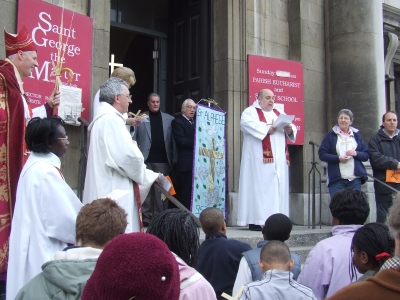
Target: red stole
<point>12,129</point>
<point>136,193</point>
<point>268,156</point>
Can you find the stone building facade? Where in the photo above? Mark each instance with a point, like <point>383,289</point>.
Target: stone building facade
<point>198,48</point>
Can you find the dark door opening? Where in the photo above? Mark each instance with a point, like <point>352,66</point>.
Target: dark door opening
<point>135,51</point>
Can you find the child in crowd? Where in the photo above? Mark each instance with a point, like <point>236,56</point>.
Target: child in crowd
<point>277,227</point>
<point>327,266</point>
<point>372,245</point>
<point>66,275</point>
<point>386,284</point>
<point>219,257</point>
<point>277,281</point>
<point>135,266</point>
<point>179,231</point>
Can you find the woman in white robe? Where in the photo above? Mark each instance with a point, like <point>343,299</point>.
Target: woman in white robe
<point>46,208</point>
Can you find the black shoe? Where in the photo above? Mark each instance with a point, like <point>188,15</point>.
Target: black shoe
<point>254,227</point>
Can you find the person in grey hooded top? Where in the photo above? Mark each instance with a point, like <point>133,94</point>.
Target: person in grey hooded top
<point>65,276</point>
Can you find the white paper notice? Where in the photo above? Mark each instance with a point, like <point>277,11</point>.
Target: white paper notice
<point>343,147</point>
<point>165,184</point>
<point>283,120</point>
<point>116,194</point>
<point>70,104</point>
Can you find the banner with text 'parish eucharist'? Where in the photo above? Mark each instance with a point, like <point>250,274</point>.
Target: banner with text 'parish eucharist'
<point>209,160</point>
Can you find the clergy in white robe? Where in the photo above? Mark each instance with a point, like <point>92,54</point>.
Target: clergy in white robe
<point>46,207</point>
<point>114,160</point>
<point>263,182</point>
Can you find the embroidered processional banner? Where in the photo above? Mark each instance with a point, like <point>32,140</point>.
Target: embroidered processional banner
<point>209,174</point>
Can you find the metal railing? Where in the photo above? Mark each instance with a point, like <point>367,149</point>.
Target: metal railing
<point>312,174</point>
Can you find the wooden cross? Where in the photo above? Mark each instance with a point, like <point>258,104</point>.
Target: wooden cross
<point>212,154</point>
<point>112,64</point>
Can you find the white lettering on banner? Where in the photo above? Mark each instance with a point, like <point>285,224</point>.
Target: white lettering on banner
<point>286,99</point>
<point>286,83</point>
<point>298,127</point>
<point>33,95</point>
<point>35,101</point>
<point>268,72</point>
<point>262,80</point>
<point>71,50</point>
<point>46,67</point>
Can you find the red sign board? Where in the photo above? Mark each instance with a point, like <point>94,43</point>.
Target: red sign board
<point>43,21</point>
<point>285,79</point>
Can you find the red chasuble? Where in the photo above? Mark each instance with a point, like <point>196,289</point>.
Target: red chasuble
<point>12,129</point>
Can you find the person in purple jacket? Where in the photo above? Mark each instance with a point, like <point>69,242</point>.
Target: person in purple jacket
<point>327,266</point>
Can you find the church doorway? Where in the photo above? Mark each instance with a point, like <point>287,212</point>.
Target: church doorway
<point>138,39</point>
<point>141,53</point>
<point>167,43</point>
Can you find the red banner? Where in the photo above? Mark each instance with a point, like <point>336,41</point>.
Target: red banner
<point>285,79</point>
<point>43,21</point>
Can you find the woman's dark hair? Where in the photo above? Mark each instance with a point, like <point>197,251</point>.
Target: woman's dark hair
<point>179,231</point>
<point>350,207</point>
<point>41,132</point>
<point>375,240</point>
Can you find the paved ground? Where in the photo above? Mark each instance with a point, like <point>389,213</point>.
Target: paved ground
<point>238,232</point>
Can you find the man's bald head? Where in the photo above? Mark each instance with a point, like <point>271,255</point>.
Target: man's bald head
<point>266,99</point>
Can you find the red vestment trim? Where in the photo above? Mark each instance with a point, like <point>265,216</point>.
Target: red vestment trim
<point>139,204</point>
<point>12,128</point>
<point>268,156</point>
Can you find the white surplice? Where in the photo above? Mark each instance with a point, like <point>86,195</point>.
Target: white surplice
<point>113,162</point>
<point>263,188</point>
<point>43,222</point>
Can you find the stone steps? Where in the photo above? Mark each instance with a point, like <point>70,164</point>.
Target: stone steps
<point>301,240</point>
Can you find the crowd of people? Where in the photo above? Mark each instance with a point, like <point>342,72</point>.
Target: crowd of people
<point>60,248</point>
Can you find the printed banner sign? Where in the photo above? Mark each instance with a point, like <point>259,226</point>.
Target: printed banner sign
<point>43,21</point>
<point>285,79</point>
<point>209,160</point>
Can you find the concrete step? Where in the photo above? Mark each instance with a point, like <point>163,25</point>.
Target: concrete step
<point>301,241</point>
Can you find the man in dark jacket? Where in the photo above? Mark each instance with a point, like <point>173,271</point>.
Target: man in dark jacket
<point>183,129</point>
<point>219,257</point>
<point>384,154</point>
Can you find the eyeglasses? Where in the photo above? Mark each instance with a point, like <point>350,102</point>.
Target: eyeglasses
<point>128,96</point>
<point>270,97</point>
<point>191,107</point>
<point>63,138</point>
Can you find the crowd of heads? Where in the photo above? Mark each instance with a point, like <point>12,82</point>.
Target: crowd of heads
<point>179,231</point>
<point>349,207</point>
<point>372,245</point>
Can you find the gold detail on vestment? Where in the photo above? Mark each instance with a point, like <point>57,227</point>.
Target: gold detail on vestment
<point>4,257</point>
<point>267,152</point>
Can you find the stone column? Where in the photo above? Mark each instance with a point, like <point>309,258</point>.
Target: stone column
<point>355,62</point>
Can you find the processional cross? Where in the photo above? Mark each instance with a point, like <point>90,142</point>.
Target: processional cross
<point>212,154</point>
<point>113,64</point>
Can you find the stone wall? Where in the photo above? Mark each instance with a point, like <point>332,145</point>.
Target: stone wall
<point>282,29</point>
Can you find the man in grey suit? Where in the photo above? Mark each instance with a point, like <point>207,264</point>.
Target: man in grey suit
<point>155,140</point>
